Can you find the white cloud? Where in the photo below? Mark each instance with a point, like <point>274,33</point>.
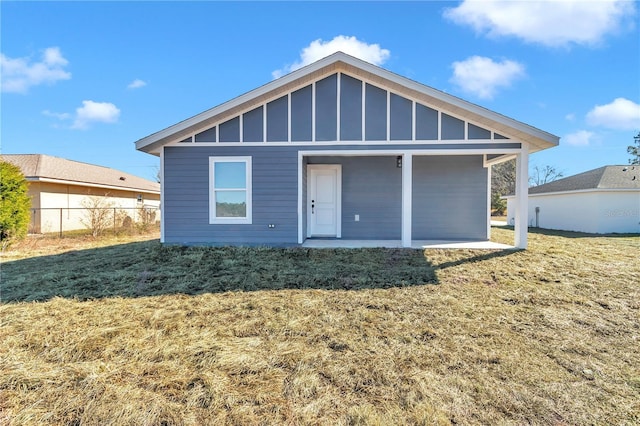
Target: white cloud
<point>483,77</point>
<point>19,74</point>
<point>570,117</point>
<point>91,112</point>
<point>58,115</point>
<point>319,49</point>
<point>136,84</point>
<point>621,114</point>
<point>548,22</point>
<point>579,138</point>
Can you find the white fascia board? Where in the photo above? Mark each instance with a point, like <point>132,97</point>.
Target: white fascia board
<point>539,138</point>
<point>91,185</point>
<point>246,97</point>
<point>459,105</point>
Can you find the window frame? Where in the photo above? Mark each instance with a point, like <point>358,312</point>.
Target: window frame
<point>213,219</point>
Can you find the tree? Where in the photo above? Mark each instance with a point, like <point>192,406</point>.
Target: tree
<point>542,175</point>
<point>99,214</point>
<point>503,182</point>
<point>634,150</point>
<point>15,204</point>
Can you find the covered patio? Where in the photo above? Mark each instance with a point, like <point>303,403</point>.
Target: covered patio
<point>426,244</point>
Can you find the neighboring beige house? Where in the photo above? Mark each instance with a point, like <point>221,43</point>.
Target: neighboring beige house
<point>600,201</point>
<point>60,190</point>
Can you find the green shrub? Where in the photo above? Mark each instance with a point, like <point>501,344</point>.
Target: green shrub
<point>15,204</point>
<point>498,205</point>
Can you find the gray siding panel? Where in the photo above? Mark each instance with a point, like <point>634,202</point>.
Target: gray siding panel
<point>375,113</point>
<point>401,118</point>
<point>350,108</point>
<point>230,130</point>
<point>301,103</point>
<point>208,135</point>
<point>449,198</point>
<point>426,123</point>
<point>327,108</point>
<point>452,128</point>
<point>252,125</point>
<point>371,188</point>
<point>476,132</point>
<point>186,203</point>
<point>277,120</point>
<point>450,194</point>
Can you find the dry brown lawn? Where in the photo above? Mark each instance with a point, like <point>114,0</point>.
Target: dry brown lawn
<point>550,335</point>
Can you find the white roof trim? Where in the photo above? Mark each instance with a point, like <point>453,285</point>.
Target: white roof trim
<point>457,105</point>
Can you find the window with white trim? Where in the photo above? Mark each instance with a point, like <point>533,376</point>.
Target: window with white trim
<point>230,190</point>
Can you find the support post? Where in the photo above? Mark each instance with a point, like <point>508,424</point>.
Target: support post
<point>522,197</point>
<point>407,194</point>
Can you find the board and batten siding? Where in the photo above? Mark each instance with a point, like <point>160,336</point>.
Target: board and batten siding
<point>274,195</point>
<point>449,198</point>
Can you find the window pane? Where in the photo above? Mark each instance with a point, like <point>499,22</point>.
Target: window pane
<point>230,175</point>
<point>231,203</point>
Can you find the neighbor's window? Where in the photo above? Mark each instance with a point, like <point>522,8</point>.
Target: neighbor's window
<point>230,185</point>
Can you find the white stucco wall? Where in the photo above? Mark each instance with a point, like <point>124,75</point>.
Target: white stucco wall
<point>597,211</point>
<point>51,199</point>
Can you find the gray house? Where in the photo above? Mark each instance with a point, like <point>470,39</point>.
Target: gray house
<point>338,149</point>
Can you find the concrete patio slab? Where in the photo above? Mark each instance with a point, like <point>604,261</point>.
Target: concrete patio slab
<point>427,244</point>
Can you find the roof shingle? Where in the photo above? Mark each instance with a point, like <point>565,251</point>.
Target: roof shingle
<point>606,177</point>
<point>39,166</point>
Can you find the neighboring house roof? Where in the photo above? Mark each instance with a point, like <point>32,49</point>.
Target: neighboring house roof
<point>607,177</point>
<point>39,167</point>
<point>337,62</point>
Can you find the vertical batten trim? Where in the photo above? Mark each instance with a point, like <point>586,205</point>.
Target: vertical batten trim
<point>414,125</point>
<point>439,125</point>
<point>162,196</point>
<point>338,80</point>
<point>241,132</point>
<point>264,123</point>
<point>388,115</point>
<point>218,133</point>
<point>288,117</point>
<point>364,110</point>
<point>313,112</point>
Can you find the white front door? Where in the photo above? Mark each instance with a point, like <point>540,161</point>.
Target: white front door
<point>323,200</point>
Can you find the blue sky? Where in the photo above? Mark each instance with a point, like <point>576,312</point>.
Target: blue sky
<point>85,80</point>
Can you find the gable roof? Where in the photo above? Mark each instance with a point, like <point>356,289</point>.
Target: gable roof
<point>607,177</point>
<point>339,61</point>
<point>40,167</point>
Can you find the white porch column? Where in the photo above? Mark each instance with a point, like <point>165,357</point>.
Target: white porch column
<point>522,197</point>
<point>162,199</point>
<point>407,188</point>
